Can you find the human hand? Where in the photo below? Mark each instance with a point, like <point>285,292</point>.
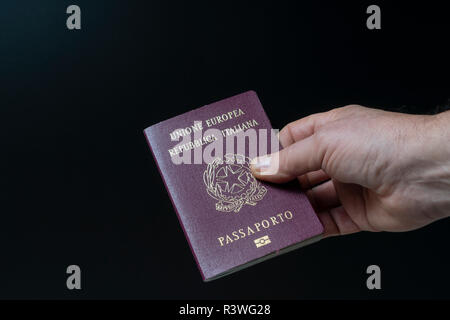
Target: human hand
<point>366,169</point>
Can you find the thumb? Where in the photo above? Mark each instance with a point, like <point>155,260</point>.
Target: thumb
<point>295,160</point>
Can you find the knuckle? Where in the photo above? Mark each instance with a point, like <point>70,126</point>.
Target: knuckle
<point>321,137</point>
<point>352,107</point>
<point>322,143</point>
<point>286,131</point>
<point>347,109</point>
<point>284,163</point>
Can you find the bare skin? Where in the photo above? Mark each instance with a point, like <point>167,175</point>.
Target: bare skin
<point>366,169</point>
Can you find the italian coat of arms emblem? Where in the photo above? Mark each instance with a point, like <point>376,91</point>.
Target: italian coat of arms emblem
<point>231,183</point>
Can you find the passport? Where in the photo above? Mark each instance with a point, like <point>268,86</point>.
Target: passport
<point>230,219</point>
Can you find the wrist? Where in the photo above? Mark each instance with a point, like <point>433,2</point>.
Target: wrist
<point>440,158</point>
<point>425,165</point>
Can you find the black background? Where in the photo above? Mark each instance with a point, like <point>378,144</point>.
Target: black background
<point>79,185</point>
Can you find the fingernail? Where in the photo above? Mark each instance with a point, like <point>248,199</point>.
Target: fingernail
<point>261,163</point>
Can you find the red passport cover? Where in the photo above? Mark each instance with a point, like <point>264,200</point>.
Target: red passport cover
<point>230,219</point>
